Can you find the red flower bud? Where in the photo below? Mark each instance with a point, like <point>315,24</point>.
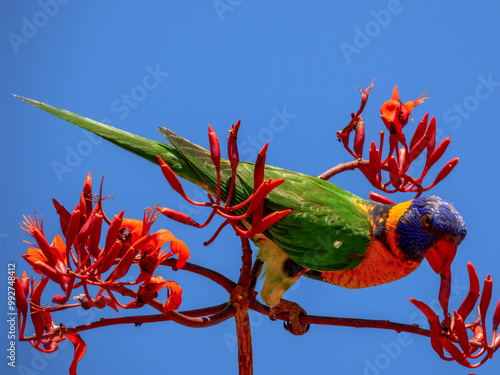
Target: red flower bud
<point>419,131</point>
<point>359,138</point>
<point>52,274</point>
<point>37,316</point>
<point>374,166</point>
<point>422,306</point>
<point>379,198</point>
<point>123,265</point>
<point>232,147</point>
<point>484,303</point>
<point>59,299</point>
<point>416,150</point>
<point>178,216</point>
<point>214,146</point>
<point>431,136</point>
<point>82,206</point>
<point>261,194</point>
<point>454,352</point>
<point>95,234</point>
<point>171,177</point>
<point>73,226</point>
<point>496,316</point>
<point>87,186</point>
<point>394,172</point>
<point>473,294</point>
<point>402,157</point>
<point>25,283</point>
<point>438,152</point>
<point>110,257</point>
<point>21,297</point>
<point>215,154</point>
<point>445,171</point>
<point>461,331</point>
<point>113,231</point>
<point>260,164</point>
<point>266,222</point>
<point>44,246</point>
<point>496,343</point>
<point>64,216</point>
<point>444,295</point>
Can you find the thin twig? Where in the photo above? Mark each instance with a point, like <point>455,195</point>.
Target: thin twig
<point>349,166</point>
<point>215,276</point>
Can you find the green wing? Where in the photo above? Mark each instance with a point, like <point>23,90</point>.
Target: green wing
<point>327,230</point>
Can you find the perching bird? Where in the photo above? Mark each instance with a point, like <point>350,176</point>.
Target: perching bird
<point>330,235</point>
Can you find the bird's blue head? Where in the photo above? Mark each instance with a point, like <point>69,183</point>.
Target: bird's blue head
<point>431,228</point>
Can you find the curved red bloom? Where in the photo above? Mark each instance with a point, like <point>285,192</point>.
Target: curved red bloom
<point>152,254</point>
<point>174,293</point>
<point>451,332</point>
<point>80,349</point>
<point>395,113</point>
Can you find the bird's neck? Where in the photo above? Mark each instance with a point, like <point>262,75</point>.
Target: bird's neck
<point>385,219</point>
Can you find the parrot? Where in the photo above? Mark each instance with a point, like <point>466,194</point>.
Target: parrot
<point>329,235</point>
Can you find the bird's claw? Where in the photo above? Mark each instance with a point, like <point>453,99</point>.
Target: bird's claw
<point>293,324</point>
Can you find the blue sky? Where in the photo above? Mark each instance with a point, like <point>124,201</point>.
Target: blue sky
<point>184,65</point>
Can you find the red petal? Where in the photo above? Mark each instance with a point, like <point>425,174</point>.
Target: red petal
<point>80,348</point>
<point>395,94</point>
<point>174,296</point>
<point>178,247</point>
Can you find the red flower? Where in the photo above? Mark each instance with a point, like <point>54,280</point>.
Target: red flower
<point>152,254</point>
<point>395,114</point>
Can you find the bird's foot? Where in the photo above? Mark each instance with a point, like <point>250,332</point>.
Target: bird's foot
<point>293,325</point>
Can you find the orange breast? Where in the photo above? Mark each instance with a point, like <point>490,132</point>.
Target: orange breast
<point>379,266</point>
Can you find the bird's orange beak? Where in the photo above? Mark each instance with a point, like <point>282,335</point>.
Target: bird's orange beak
<point>441,255</point>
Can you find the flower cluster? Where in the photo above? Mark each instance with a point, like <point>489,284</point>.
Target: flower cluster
<point>250,208</point>
<point>78,261</point>
<point>395,115</point>
<point>454,330</point>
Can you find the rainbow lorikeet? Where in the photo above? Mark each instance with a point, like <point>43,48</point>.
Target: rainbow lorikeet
<point>330,234</point>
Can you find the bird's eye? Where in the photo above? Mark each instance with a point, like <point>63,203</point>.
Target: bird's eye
<point>426,220</point>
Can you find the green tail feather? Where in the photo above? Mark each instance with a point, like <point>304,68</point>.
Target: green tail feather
<point>145,148</point>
